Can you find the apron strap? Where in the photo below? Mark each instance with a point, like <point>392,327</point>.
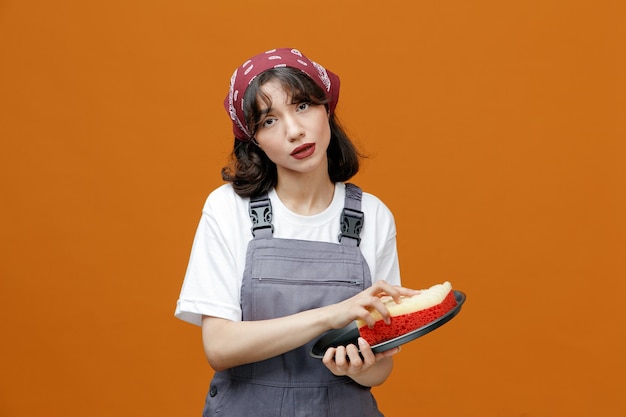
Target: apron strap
<point>260,209</point>
<point>352,217</point>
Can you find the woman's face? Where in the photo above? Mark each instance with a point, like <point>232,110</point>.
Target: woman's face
<point>294,136</point>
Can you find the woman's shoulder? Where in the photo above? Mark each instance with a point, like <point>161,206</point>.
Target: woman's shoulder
<point>379,226</point>
<point>371,202</point>
<point>223,197</point>
<point>226,213</point>
<point>224,192</point>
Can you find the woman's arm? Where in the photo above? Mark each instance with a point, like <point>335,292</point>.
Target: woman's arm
<point>231,343</point>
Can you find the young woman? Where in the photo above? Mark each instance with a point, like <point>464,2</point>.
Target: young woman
<point>286,251</point>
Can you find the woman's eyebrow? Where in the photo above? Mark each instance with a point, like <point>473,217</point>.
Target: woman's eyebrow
<point>265,112</point>
<point>298,98</point>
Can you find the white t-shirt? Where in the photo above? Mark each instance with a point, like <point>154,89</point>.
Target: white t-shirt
<point>212,282</point>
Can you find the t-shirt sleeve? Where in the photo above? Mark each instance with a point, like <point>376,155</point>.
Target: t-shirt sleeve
<point>387,264</point>
<point>379,243</point>
<point>212,282</point>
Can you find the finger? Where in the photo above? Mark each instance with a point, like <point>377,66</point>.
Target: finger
<point>382,309</point>
<point>353,355</point>
<point>381,288</point>
<point>366,352</point>
<point>341,361</point>
<point>329,357</point>
<point>394,291</point>
<point>397,292</point>
<point>374,309</point>
<point>388,353</point>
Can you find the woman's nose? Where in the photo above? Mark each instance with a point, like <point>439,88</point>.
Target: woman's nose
<point>294,129</point>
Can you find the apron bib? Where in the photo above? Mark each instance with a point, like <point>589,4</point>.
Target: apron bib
<point>284,277</point>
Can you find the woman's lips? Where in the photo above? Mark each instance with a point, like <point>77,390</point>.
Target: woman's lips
<point>303,151</point>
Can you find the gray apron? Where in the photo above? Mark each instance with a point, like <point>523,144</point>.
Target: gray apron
<point>283,277</point>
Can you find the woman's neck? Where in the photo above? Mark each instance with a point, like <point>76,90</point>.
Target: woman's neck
<point>306,195</point>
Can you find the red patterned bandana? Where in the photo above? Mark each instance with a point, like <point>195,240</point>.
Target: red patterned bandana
<point>276,58</point>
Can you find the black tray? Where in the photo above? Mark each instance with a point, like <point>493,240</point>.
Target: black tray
<point>350,333</point>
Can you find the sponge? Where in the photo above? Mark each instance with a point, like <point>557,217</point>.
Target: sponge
<point>410,314</point>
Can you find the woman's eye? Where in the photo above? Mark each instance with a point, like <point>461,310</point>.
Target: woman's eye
<point>303,106</point>
<point>268,122</point>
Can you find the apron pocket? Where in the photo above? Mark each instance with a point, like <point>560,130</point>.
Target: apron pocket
<point>288,286</point>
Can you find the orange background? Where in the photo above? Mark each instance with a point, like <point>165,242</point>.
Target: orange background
<point>496,132</point>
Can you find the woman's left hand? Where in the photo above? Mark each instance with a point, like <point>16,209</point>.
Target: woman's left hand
<point>364,368</point>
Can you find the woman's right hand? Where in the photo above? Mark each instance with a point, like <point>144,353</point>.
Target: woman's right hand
<point>364,303</point>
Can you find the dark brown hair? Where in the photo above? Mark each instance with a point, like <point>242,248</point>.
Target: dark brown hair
<point>250,171</point>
